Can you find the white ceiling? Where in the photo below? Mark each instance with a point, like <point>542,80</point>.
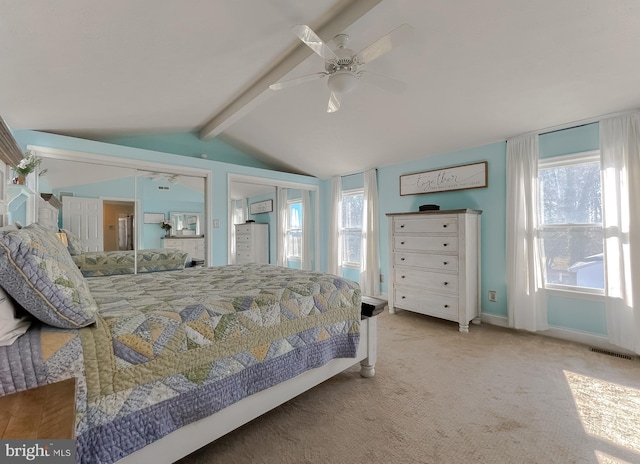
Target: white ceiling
<point>477,73</point>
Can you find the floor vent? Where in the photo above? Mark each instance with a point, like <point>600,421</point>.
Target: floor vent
<point>611,353</point>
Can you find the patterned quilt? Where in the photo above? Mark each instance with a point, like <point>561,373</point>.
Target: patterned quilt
<point>106,263</point>
<point>170,348</point>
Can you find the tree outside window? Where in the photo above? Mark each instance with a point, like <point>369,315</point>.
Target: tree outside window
<point>351,231</point>
<point>571,221</point>
<point>294,231</point>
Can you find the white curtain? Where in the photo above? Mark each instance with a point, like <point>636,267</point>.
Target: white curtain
<point>283,226</point>
<point>334,264</point>
<point>370,257</point>
<point>307,232</point>
<point>526,303</point>
<point>620,164</point>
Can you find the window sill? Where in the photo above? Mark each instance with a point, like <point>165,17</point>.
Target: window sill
<point>570,293</point>
<point>350,266</point>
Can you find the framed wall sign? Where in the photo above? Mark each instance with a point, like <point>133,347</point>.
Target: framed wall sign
<point>265,206</point>
<point>463,177</point>
<point>153,218</point>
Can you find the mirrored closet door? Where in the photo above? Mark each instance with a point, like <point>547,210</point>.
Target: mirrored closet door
<point>286,212</point>
<point>173,210</point>
<point>120,205</point>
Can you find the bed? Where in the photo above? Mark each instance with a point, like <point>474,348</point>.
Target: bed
<point>167,362</point>
<point>105,263</point>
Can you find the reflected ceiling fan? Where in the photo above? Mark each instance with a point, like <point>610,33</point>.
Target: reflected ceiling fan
<point>343,66</point>
<point>162,176</point>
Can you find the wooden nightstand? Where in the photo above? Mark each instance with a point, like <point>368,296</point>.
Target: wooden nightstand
<point>42,412</point>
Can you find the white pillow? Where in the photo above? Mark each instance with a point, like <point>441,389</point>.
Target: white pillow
<point>11,327</point>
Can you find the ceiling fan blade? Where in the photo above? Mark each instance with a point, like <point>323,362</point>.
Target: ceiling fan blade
<point>385,43</point>
<point>334,102</point>
<point>297,80</point>
<point>383,82</point>
<point>311,39</point>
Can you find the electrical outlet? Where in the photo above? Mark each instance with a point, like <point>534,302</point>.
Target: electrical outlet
<point>493,296</point>
<point>216,223</point>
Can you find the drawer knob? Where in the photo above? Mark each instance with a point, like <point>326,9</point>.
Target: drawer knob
<point>401,259</point>
<point>445,244</point>
<point>401,243</point>
<point>445,263</point>
<point>446,306</point>
<point>403,297</point>
<point>402,277</point>
<point>444,225</point>
<point>402,226</point>
<point>446,283</point>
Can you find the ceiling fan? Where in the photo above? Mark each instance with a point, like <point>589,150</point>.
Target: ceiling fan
<point>342,65</point>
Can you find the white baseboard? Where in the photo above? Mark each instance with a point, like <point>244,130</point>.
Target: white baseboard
<point>493,319</point>
<point>585,338</point>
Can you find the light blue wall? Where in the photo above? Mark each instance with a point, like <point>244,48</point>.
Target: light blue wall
<point>575,313</point>
<point>572,313</point>
<point>490,200</point>
<point>188,144</point>
<point>219,171</point>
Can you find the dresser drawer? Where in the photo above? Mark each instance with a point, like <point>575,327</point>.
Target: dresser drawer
<point>243,258</point>
<point>426,303</point>
<point>427,280</point>
<point>446,243</point>
<point>243,238</point>
<point>431,261</point>
<point>243,228</point>
<point>243,246</point>
<point>447,224</point>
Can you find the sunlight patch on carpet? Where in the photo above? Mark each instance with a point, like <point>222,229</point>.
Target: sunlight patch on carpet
<point>608,411</point>
<point>604,458</point>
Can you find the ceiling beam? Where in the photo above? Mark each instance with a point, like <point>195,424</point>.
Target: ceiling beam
<point>339,18</point>
<point>10,152</point>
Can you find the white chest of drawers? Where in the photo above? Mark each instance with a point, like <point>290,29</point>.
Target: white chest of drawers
<point>192,245</point>
<point>252,243</point>
<point>434,264</point>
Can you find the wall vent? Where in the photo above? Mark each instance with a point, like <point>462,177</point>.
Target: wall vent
<point>611,353</point>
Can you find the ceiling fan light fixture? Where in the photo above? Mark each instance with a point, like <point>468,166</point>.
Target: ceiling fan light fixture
<point>342,82</point>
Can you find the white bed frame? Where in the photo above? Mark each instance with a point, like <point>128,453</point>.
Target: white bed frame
<point>193,436</point>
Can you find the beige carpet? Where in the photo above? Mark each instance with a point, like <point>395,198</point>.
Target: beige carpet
<point>490,396</point>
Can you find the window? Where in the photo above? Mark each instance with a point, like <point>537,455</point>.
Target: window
<point>294,230</point>
<point>351,231</point>
<point>571,222</point>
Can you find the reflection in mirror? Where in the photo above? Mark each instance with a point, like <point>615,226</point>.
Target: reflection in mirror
<point>249,240</point>
<point>292,222</point>
<point>177,202</point>
<point>184,224</point>
<point>96,202</point>
<point>120,209</point>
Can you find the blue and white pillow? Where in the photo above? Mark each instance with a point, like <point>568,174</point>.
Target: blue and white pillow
<point>74,244</point>
<point>38,272</point>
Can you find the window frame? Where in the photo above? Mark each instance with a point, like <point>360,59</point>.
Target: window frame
<point>292,258</point>
<point>344,263</point>
<point>573,159</point>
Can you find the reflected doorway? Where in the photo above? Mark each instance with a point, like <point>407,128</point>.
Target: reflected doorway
<point>118,225</point>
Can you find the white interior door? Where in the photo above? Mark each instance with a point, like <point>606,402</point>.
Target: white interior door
<point>83,217</point>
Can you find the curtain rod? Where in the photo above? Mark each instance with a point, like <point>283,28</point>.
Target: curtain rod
<point>580,123</point>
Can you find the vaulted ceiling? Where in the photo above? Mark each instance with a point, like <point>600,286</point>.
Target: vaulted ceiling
<point>476,73</point>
